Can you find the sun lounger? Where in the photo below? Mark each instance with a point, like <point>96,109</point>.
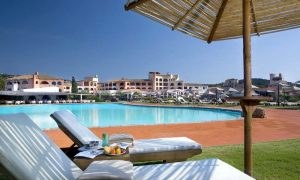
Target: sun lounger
<point>27,153</point>
<point>161,149</point>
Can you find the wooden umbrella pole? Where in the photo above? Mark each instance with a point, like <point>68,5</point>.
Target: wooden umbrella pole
<point>247,86</point>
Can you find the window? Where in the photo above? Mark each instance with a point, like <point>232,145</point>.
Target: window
<point>137,83</point>
<point>68,87</point>
<point>86,83</point>
<point>179,84</point>
<point>144,84</point>
<point>160,84</point>
<point>165,84</point>
<point>54,83</point>
<point>44,82</point>
<point>149,84</point>
<point>24,82</point>
<point>9,83</point>
<point>36,82</point>
<point>165,80</point>
<point>160,79</point>
<point>59,83</point>
<point>156,79</point>
<point>121,84</point>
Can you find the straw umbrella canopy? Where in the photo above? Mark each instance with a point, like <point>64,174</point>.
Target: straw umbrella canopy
<point>213,20</point>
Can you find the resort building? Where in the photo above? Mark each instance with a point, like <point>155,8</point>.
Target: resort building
<point>89,85</point>
<point>126,84</point>
<point>231,83</point>
<point>195,86</point>
<point>37,81</point>
<point>165,81</point>
<point>275,80</point>
<point>155,82</point>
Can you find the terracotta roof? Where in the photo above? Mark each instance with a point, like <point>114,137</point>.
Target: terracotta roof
<point>21,77</point>
<point>41,77</point>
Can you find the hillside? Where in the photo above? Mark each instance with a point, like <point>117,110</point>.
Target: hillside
<point>257,82</point>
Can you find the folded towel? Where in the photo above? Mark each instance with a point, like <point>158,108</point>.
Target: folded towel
<point>117,138</point>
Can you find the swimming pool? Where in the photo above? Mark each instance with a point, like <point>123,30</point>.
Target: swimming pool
<point>95,115</point>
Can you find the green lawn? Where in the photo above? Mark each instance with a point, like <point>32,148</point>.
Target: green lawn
<point>271,160</point>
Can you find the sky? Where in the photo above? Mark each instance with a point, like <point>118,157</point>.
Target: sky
<point>83,38</point>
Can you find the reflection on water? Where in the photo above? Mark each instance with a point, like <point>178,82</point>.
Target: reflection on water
<point>93,115</point>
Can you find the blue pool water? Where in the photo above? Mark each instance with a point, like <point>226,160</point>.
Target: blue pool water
<point>94,115</point>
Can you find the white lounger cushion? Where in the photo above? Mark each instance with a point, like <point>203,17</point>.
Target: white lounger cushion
<point>120,138</point>
<point>66,119</point>
<point>110,169</point>
<point>213,169</point>
<point>71,124</point>
<point>29,154</point>
<point>163,144</point>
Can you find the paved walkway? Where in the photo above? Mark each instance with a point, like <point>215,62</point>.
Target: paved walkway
<point>279,125</point>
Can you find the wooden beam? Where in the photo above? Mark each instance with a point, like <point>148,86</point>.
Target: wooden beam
<point>254,18</point>
<point>216,24</point>
<point>186,14</point>
<point>134,4</point>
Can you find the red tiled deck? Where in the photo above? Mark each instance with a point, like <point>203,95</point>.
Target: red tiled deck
<point>279,125</point>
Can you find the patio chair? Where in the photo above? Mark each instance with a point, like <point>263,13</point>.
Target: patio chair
<point>27,153</point>
<point>161,149</point>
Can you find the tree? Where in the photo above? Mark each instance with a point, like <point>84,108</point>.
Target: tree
<point>74,85</point>
<point>2,84</point>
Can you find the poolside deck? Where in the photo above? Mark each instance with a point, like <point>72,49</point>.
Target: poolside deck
<point>279,125</point>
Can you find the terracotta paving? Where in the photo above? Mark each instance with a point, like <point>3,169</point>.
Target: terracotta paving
<point>279,125</point>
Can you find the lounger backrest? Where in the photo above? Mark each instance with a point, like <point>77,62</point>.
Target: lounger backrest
<point>27,153</point>
<point>71,126</point>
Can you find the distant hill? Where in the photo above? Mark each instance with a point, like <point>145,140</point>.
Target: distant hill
<point>215,85</point>
<point>257,82</point>
<point>297,82</point>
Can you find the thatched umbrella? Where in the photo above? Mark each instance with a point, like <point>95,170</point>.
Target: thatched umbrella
<point>213,20</point>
